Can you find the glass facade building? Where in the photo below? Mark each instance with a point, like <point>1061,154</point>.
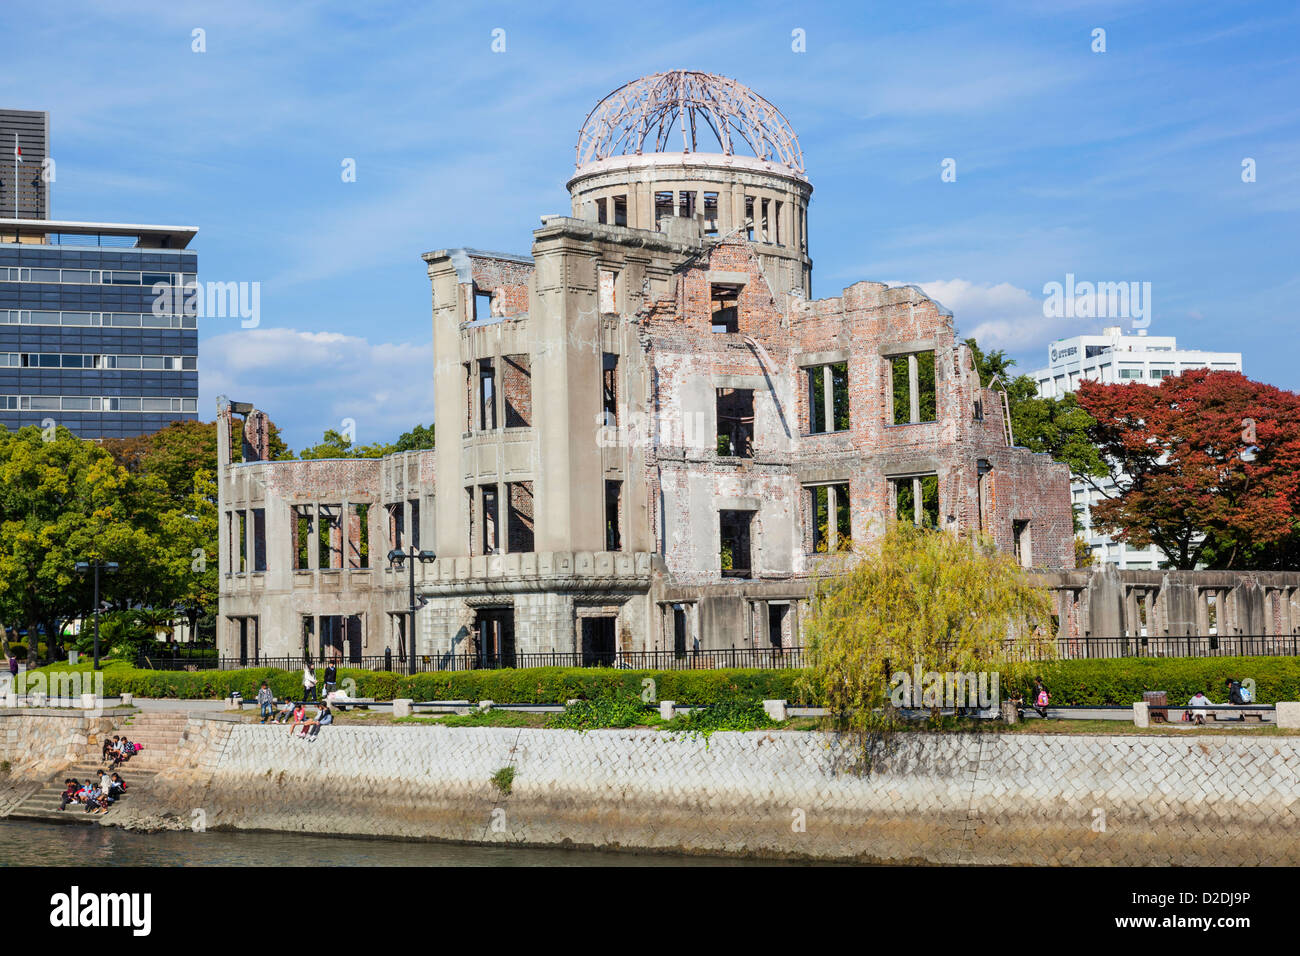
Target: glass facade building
<point>89,335</point>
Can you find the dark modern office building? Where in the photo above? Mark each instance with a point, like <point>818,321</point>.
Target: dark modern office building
<point>84,342</point>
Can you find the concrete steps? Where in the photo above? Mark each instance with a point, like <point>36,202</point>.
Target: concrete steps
<point>157,732</point>
<point>44,804</point>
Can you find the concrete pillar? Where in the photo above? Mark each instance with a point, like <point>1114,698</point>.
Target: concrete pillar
<point>1106,603</point>
<point>402,707</point>
<point>913,390</point>
<point>485,705</point>
<point>1178,601</point>
<point>667,709</point>
<point>1288,714</point>
<point>828,397</point>
<point>128,700</point>
<point>775,710</point>
<point>313,538</point>
<point>1141,714</point>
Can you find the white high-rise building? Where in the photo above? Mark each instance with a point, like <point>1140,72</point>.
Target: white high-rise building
<point>1110,357</point>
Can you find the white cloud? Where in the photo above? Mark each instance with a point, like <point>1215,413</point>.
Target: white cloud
<point>1006,317</point>
<point>310,381</point>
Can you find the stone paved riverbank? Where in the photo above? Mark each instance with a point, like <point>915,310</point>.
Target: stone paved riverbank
<point>986,798</point>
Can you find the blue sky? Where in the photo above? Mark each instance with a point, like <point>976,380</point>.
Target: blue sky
<point>1115,166</point>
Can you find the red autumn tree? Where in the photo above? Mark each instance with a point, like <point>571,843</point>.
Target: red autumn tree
<point>1190,478</point>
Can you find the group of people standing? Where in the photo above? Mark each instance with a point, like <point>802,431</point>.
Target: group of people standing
<point>309,679</point>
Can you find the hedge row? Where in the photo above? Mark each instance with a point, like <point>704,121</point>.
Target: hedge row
<point>1122,680</point>
<point>1115,681</point>
<point>541,685</point>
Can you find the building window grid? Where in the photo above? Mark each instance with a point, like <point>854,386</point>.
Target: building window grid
<point>94,276</point>
<point>82,319</point>
<point>96,403</point>
<point>99,361</point>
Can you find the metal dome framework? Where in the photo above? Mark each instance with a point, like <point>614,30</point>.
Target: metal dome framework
<point>646,111</point>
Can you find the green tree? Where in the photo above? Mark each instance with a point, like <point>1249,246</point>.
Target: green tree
<point>62,501</point>
<point>918,598</point>
<point>1057,426</point>
<point>417,439</point>
<point>334,444</point>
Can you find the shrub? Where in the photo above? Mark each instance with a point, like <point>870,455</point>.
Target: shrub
<point>610,711</point>
<point>735,713</point>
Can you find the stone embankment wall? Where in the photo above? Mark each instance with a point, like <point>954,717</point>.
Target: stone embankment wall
<point>987,798</point>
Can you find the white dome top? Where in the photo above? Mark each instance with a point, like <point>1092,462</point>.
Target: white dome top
<point>640,117</point>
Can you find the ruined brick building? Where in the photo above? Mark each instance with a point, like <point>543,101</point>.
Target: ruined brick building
<point>650,437</point>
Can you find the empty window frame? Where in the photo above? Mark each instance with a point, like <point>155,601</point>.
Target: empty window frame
<point>663,208</point>
<point>413,507</point>
<point>620,210</point>
<point>750,224</point>
<point>302,518</point>
<point>396,526</point>
<point>482,305</point>
<point>913,388</point>
<point>239,527</point>
<point>487,395</point>
<point>609,388</point>
<point>600,212</point>
<point>734,556</point>
<point>490,512</point>
<point>358,535</point>
<point>828,398</point>
<point>517,390</point>
<point>724,306</point>
<point>329,539</point>
<point>1023,547</point>
<point>259,539</point>
<point>613,516</point>
<point>686,203</point>
<point>916,500</point>
<point>735,414</point>
<point>710,214</point>
<point>519,529</point>
<point>831,518</point>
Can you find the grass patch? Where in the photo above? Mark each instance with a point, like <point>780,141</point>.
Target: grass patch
<point>504,780</point>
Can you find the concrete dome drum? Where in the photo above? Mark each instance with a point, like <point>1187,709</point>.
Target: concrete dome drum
<point>686,152</point>
<point>641,116</point>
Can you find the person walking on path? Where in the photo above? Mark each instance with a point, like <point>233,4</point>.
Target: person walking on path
<point>308,682</point>
<point>331,677</point>
<point>13,667</point>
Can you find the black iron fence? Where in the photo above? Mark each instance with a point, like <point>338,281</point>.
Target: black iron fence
<point>767,658</point>
<point>1234,645</point>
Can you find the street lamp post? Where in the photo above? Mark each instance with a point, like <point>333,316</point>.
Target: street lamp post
<point>82,568</point>
<point>410,555</point>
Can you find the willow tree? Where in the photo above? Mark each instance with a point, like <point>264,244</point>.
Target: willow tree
<point>919,602</point>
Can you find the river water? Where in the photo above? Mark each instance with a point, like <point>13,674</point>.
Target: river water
<point>25,843</point>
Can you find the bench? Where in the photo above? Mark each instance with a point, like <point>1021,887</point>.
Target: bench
<point>1217,713</point>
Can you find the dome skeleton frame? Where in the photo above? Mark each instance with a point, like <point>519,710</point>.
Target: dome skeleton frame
<point>648,108</point>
